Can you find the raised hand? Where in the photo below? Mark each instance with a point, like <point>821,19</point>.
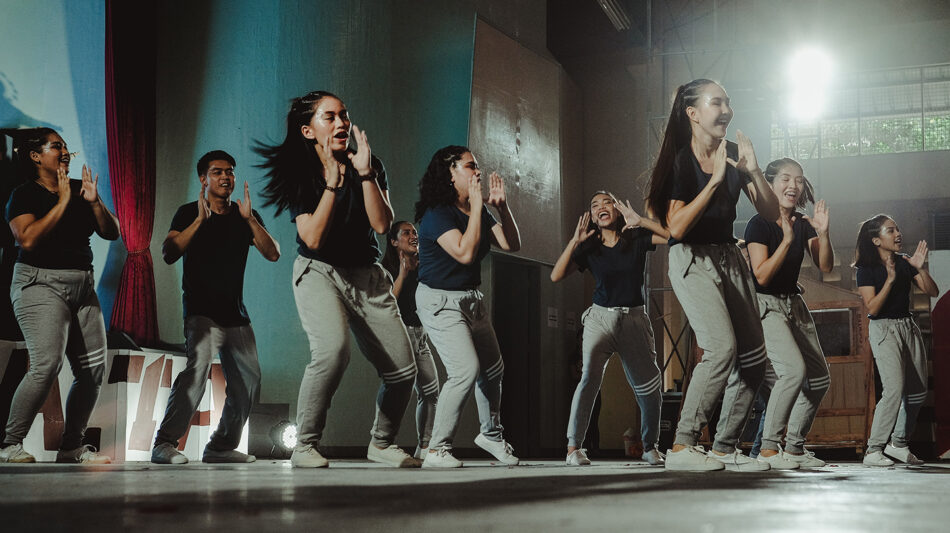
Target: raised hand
<point>496,191</point>
<point>244,207</point>
<point>581,233</point>
<point>719,164</point>
<point>363,158</point>
<point>891,268</point>
<point>819,220</point>
<point>747,162</point>
<point>630,217</point>
<point>788,228</point>
<point>90,186</point>
<point>204,208</point>
<point>475,194</point>
<point>63,189</point>
<point>407,263</point>
<point>331,168</point>
<point>920,255</point>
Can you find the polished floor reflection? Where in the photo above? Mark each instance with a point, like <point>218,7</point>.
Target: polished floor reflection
<point>539,496</point>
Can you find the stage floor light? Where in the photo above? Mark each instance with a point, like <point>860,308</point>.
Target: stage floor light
<point>284,437</point>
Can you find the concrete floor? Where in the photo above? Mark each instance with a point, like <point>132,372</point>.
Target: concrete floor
<point>538,496</point>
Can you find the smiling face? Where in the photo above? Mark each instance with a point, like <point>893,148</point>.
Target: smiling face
<point>463,172</point>
<point>219,179</point>
<point>52,156</point>
<point>602,211</point>
<point>711,114</point>
<point>330,121</point>
<point>889,238</point>
<point>789,185</point>
<point>407,240</point>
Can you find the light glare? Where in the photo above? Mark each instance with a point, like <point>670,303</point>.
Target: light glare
<point>809,77</point>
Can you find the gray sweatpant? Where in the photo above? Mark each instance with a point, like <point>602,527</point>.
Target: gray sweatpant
<point>426,385</point>
<point>801,372</point>
<point>713,285</point>
<point>331,301</point>
<point>626,331</point>
<point>58,311</point>
<point>461,331</point>
<point>238,353</point>
<point>902,362</point>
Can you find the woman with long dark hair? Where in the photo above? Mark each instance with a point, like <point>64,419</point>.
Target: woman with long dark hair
<point>884,277</point>
<point>612,240</point>
<point>776,250</point>
<point>401,259</point>
<point>338,199</point>
<point>456,231</point>
<point>693,191</point>
<point>54,292</point>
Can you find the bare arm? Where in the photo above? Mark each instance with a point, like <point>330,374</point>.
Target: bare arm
<point>107,225</point>
<point>463,247</point>
<point>923,280</point>
<point>263,241</point>
<point>764,267</point>
<point>314,227</point>
<point>564,265</point>
<point>758,189</point>
<point>379,211</point>
<point>29,230</point>
<point>874,299</point>
<point>504,235</point>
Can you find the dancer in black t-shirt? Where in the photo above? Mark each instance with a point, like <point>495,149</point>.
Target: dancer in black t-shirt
<point>53,292</point>
<point>884,279</point>
<point>612,241</point>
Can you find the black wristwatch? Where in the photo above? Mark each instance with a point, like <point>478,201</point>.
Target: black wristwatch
<point>333,189</point>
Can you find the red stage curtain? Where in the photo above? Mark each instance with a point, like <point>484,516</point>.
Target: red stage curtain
<point>130,121</point>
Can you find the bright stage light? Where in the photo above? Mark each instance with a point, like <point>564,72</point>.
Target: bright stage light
<point>284,437</point>
<point>809,76</point>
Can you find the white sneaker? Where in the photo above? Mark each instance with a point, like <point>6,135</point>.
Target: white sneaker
<point>805,460</point>
<point>14,453</point>
<point>421,453</point>
<point>392,455</point>
<point>165,453</point>
<point>84,454</point>
<point>578,458</point>
<point>903,455</point>
<point>691,459</point>
<point>225,456</point>
<point>876,459</point>
<point>778,461</point>
<point>743,463</point>
<point>654,457</point>
<point>441,458</point>
<point>307,456</point>
<point>500,449</point>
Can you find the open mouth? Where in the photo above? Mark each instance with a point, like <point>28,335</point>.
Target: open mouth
<point>342,136</point>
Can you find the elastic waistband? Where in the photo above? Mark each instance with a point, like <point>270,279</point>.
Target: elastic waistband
<point>624,310</point>
<point>902,320</point>
<point>454,293</point>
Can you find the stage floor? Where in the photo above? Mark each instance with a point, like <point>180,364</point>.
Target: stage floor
<point>538,496</point>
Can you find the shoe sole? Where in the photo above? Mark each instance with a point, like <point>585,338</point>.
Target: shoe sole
<point>685,468</point>
<point>408,462</point>
<point>209,460</point>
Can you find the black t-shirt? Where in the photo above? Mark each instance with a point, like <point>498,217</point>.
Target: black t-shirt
<point>350,240</point>
<point>437,268</point>
<point>213,274</point>
<point>66,246</point>
<point>715,224</point>
<point>407,298</point>
<point>785,281</point>
<point>897,304</point>
<point>618,270</point>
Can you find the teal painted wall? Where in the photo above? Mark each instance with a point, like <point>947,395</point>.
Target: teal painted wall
<point>227,71</point>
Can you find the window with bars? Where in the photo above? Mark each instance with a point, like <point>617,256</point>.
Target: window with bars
<point>878,112</point>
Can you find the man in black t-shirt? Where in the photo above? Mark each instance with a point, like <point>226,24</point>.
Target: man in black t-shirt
<point>213,235</point>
